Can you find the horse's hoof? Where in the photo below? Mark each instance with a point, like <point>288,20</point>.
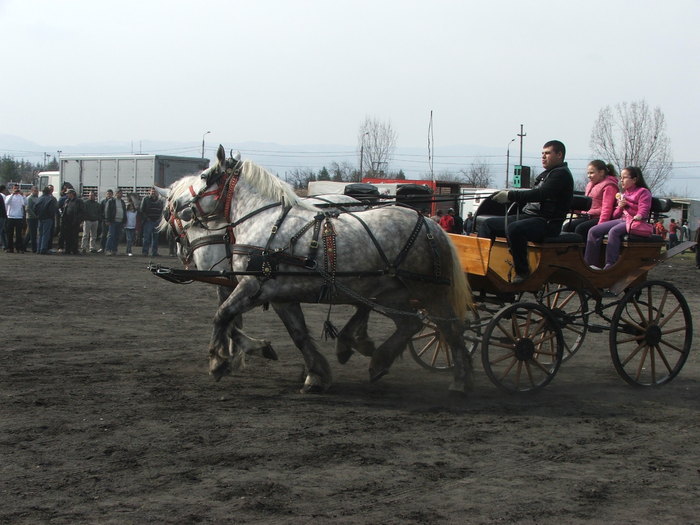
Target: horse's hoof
<point>269,353</point>
<point>344,356</point>
<point>312,389</point>
<point>221,370</point>
<point>376,375</point>
<point>313,385</point>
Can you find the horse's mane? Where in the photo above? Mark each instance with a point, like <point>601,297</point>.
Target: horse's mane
<point>271,186</point>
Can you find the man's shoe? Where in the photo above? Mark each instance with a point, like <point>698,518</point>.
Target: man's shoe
<point>519,278</point>
<point>100,250</point>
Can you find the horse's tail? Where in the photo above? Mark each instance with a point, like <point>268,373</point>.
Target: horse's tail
<point>460,292</point>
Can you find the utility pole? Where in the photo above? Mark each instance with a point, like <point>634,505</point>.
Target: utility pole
<point>521,135</point>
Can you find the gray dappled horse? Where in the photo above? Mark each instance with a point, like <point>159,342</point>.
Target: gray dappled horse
<point>204,246</point>
<point>390,259</point>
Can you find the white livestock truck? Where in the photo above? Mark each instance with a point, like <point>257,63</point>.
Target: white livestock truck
<point>129,173</point>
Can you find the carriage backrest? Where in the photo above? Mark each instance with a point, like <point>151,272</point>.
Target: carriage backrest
<point>581,202</point>
<point>659,205</point>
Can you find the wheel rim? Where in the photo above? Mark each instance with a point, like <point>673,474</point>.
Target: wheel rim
<point>522,348</point>
<point>430,350</point>
<point>651,334</point>
<point>569,308</point>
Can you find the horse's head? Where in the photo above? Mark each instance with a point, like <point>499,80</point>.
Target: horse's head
<point>199,196</point>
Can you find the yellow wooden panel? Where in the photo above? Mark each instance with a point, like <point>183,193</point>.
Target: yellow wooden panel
<point>473,252</point>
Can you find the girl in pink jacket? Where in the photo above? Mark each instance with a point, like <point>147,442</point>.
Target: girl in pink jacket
<point>601,188</point>
<point>630,216</point>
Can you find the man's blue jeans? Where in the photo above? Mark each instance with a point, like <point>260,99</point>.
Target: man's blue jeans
<point>115,230</point>
<point>150,237</point>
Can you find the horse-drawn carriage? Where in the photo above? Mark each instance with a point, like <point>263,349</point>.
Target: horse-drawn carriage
<point>269,247</point>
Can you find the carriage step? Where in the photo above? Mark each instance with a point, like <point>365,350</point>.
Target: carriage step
<point>593,329</point>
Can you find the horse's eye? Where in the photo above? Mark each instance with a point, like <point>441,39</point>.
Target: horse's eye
<point>186,214</point>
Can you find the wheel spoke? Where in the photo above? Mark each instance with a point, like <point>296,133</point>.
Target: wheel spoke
<point>660,309</point>
<point>509,368</point>
<point>425,335</point>
<point>507,333</point>
<point>639,310</point>
<point>640,367</point>
<point>671,346</point>
<point>632,323</point>
<point>503,358</point>
<point>529,373</point>
<point>428,345</point>
<point>541,366</point>
<point>632,354</point>
<point>667,318</point>
<point>566,300</point>
<point>662,356</point>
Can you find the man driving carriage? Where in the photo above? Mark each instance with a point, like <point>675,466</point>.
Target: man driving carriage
<point>546,206</point>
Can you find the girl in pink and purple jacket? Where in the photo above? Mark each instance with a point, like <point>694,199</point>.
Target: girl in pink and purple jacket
<point>630,216</point>
<point>601,188</point>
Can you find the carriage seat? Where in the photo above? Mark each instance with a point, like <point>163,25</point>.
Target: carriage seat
<point>565,238</point>
<point>637,238</point>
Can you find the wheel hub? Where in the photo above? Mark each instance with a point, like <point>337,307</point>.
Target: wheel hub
<point>524,349</point>
<point>653,335</point>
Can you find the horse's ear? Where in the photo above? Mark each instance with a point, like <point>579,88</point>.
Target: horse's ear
<point>221,156</point>
<point>162,192</point>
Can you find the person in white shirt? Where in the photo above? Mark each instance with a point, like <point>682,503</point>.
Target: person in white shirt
<point>15,203</point>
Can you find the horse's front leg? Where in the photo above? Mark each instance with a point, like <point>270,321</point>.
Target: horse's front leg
<point>222,293</point>
<point>239,302</point>
<point>318,372</point>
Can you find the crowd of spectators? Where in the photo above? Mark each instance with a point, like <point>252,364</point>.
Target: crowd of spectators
<point>79,226</point>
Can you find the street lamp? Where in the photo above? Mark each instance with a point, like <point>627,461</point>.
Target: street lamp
<point>508,159</point>
<point>205,134</point>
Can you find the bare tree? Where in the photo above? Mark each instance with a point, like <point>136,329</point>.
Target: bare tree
<point>478,175</point>
<point>343,172</point>
<point>633,135</point>
<point>299,177</point>
<point>376,143</point>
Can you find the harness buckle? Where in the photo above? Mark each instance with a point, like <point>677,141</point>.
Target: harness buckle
<point>430,236</point>
<point>313,244</point>
<point>274,229</point>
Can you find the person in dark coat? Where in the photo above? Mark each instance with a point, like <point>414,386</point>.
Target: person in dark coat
<point>546,206</point>
<point>46,208</point>
<point>73,214</point>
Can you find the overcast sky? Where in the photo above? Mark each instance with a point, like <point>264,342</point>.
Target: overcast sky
<point>308,72</point>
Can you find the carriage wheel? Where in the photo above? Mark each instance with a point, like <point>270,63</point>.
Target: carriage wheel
<point>651,334</point>
<point>570,310</point>
<point>430,349</point>
<point>522,348</point>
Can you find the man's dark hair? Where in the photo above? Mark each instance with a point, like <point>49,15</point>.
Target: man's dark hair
<point>557,146</point>
<point>2,187</point>
<point>47,190</point>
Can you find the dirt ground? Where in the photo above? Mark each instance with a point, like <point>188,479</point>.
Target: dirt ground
<point>108,415</point>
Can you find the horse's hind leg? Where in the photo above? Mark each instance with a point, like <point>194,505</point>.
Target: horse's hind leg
<point>453,331</point>
<point>318,377</point>
<point>354,336</point>
<point>389,350</point>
